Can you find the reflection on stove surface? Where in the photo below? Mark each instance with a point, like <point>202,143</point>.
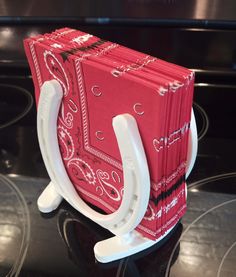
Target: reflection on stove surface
<point>80,235</point>
<point>61,243</point>
<point>14,228</point>
<point>202,120</point>
<point>207,245</point>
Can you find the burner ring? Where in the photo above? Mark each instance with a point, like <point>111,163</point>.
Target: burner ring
<point>19,91</point>
<point>202,115</point>
<point>12,191</point>
<point>215,206</point>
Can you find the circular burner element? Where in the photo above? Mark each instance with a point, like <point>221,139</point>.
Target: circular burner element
<point>222,183</point>
<point>14,228</point>
<point>208,242</point>
<point>202,120</point>
<point>15,103</point>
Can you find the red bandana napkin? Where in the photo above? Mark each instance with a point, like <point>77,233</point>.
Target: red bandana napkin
<point>100,80</point>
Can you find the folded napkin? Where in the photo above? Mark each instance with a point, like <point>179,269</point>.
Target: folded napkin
<point>100,80</point>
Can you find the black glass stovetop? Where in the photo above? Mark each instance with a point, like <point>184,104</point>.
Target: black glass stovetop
<point>61,243</point>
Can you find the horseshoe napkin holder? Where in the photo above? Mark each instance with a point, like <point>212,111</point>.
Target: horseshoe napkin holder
<point>123,221</point>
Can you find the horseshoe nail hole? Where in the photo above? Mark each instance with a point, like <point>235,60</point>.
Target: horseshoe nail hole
<point>129,213</point>
<point>15,103</point>
<point>124,221</point>
<point>120,224</point>
<point>135,197</point>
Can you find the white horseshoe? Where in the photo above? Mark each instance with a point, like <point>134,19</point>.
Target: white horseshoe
<point>135,175</point>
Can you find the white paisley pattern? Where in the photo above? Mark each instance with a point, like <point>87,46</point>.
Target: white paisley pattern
<point>115,177</point>
<point>105,187</point>
<point>57,71</point>
<point>72,106</point>
<point>171,139</point>
<point>66,143</point>
<point>81,170</point>
<point>150,214</point>
<point>66,119</point>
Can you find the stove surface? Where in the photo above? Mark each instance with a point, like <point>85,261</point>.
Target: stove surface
<point>61,243</point>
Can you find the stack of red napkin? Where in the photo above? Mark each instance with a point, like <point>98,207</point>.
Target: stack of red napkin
<point>100,80</point>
